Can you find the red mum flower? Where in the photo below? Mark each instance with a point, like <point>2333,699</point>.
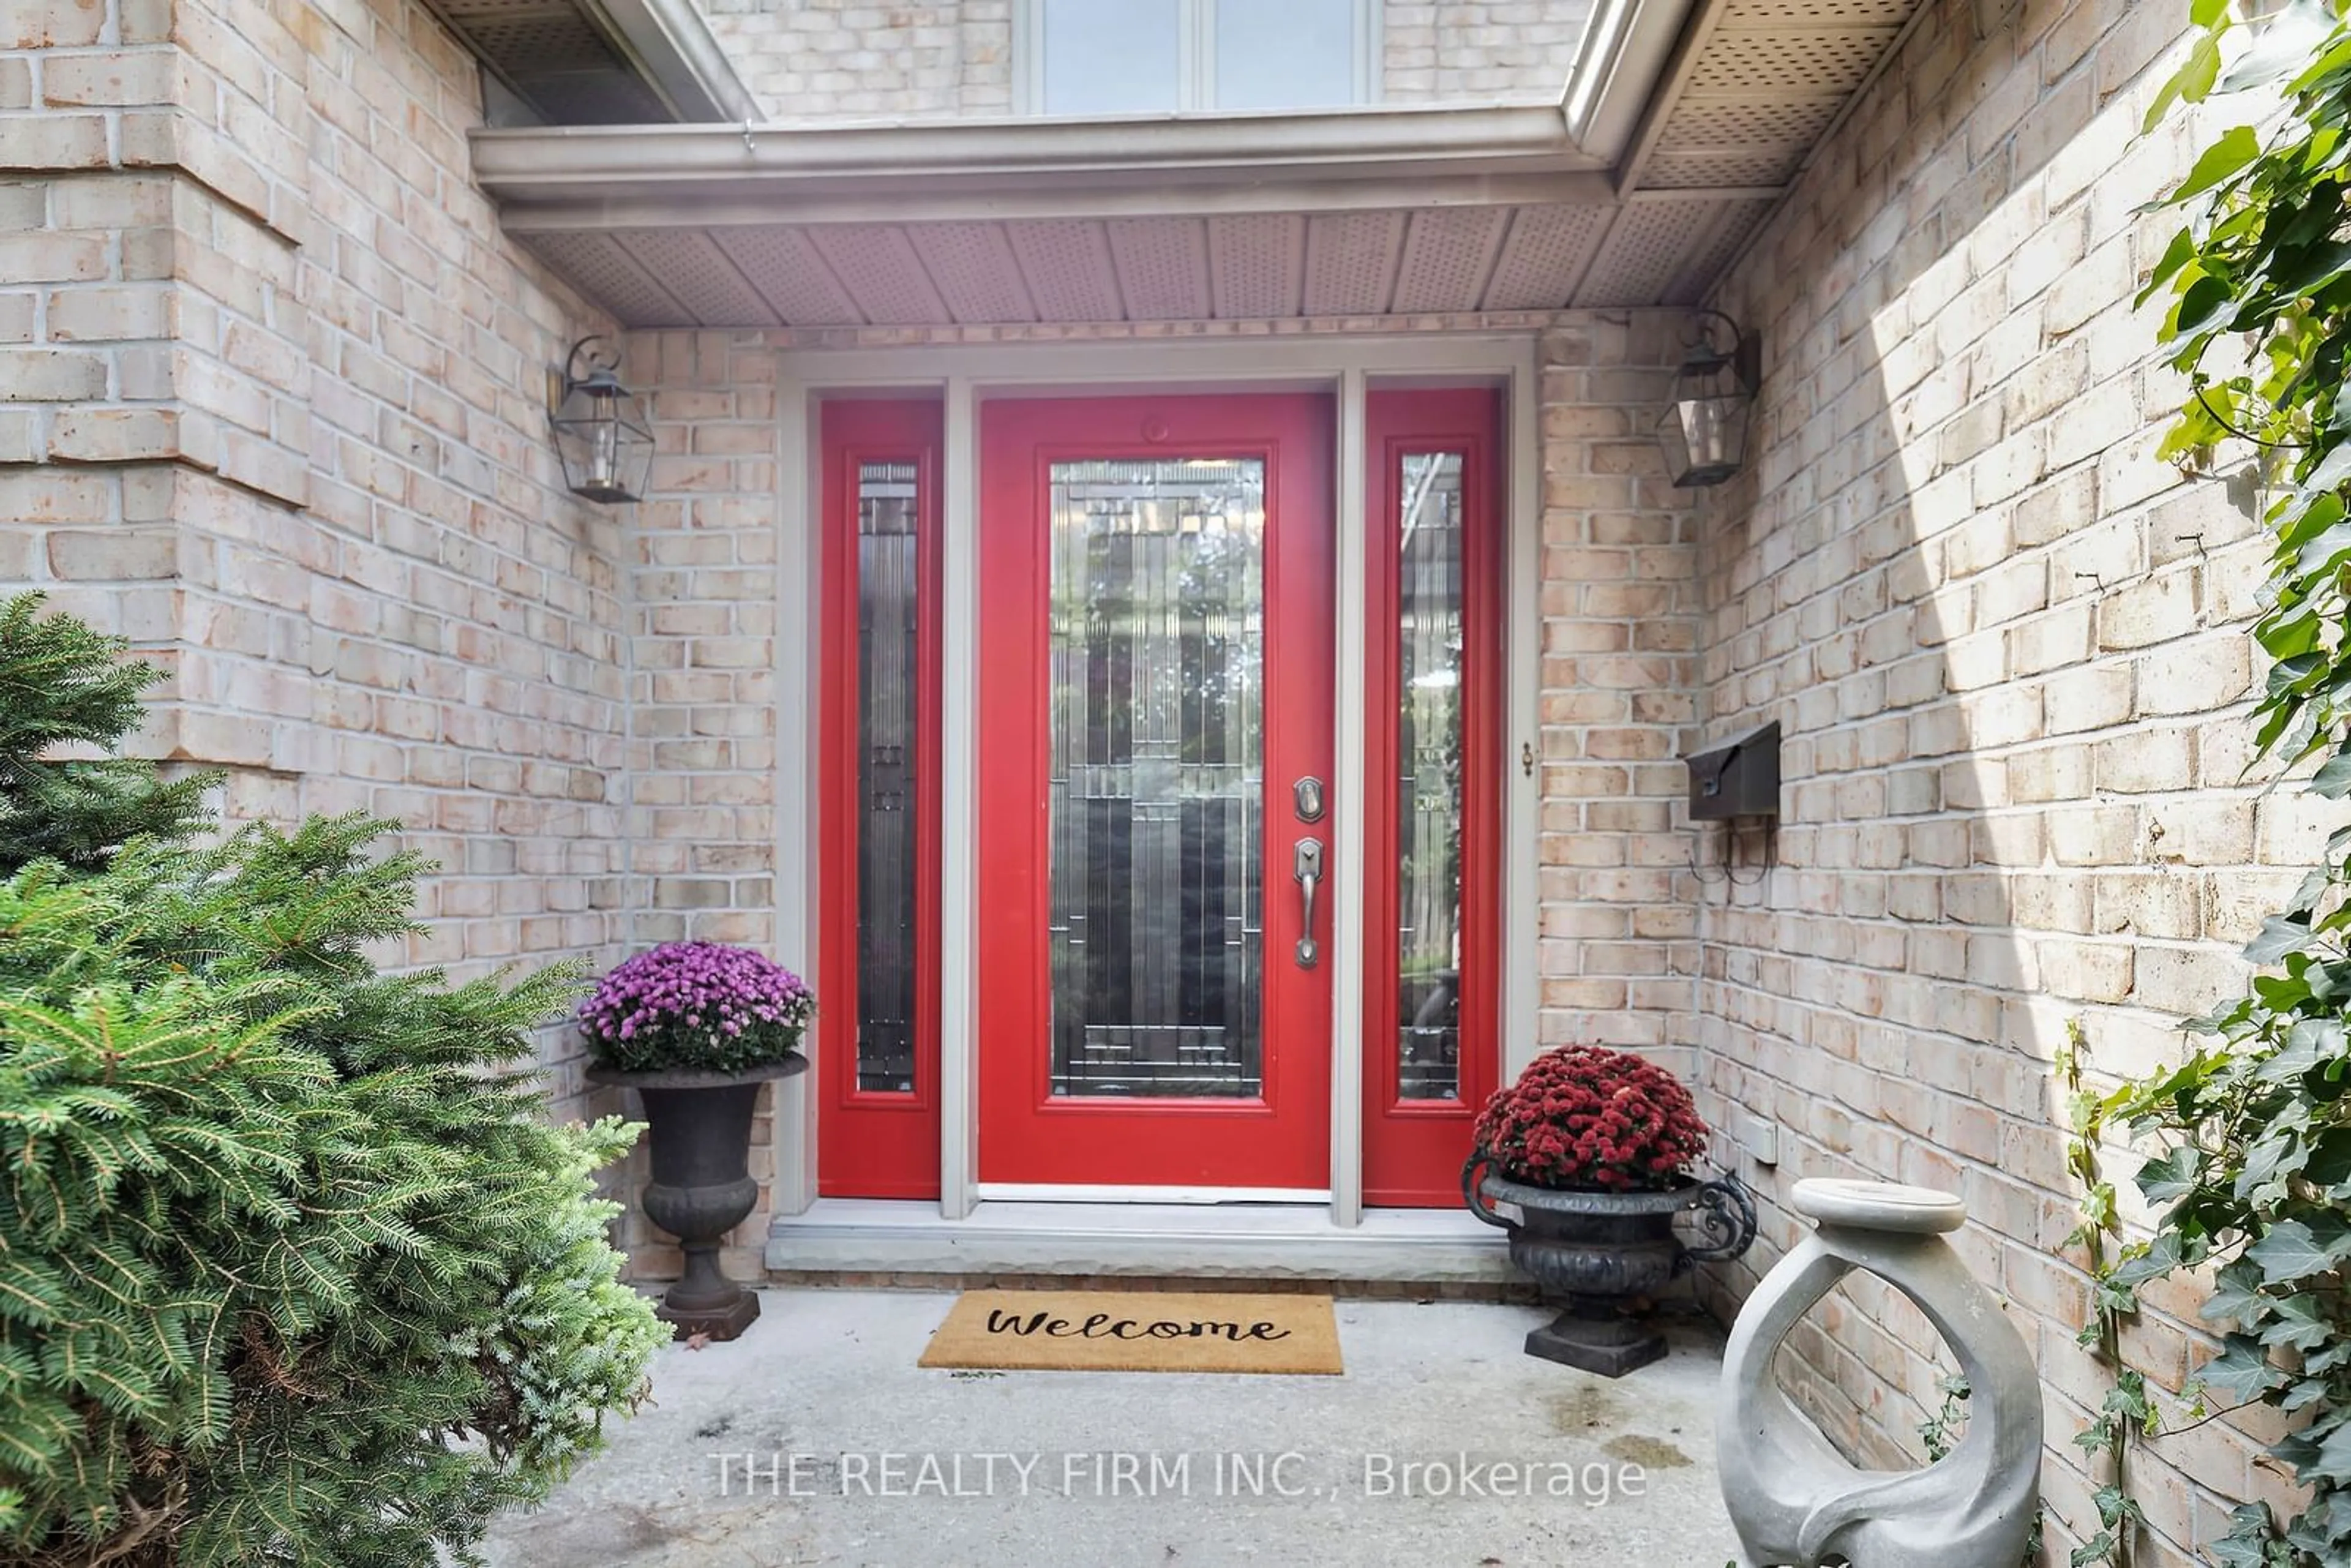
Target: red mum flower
<point>1586,1117</point>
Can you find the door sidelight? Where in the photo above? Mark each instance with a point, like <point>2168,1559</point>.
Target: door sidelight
<point>1306,866</point>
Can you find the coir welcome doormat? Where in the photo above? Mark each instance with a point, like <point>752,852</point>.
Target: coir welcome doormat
<point>1137,1331</point>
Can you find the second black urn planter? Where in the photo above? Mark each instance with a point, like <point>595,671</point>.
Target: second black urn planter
<point>1599,1251</point>
<point>699,1132</point>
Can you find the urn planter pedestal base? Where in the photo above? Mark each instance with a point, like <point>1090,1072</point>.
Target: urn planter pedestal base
<point>702,1188</point>
<point>1596,1337</point>
<point>733,1309</point>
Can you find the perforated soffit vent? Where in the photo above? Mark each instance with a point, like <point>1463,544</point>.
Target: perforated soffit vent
<point>601,62</point>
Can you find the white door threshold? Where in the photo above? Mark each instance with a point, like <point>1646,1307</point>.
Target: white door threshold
<point>1173,1240</point>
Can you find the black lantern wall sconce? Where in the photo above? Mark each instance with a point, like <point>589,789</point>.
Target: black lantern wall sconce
<point>602,436</point>
<point>1704,432</point>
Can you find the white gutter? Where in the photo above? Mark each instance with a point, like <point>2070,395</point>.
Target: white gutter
<point>813,149</point>
<point>673,50</point>
<point>1034,167</point>
<point>1617,69</point>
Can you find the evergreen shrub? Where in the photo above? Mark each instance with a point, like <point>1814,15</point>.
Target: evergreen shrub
<point>293,1268</point>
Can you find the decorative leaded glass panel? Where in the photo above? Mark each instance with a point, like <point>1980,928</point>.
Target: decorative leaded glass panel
<point>888,678</point>
<point>1158,729</point>
<point>1429,786</point>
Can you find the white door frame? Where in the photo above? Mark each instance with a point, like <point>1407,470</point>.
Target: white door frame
<point>962,376</point>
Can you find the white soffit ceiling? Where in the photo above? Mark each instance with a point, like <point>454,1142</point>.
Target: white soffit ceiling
<point>1755,85</point>
<point>1259,268</point>
<point>1397,213</point>
<point>601,62</point>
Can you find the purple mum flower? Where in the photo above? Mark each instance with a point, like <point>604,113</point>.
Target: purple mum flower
<point>695,1004</point>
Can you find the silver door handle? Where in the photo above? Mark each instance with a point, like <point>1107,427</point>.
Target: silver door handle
<point>1306,865</point>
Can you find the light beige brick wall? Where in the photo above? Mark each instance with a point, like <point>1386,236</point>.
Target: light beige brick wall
<point>1478,50</point>
<point>846,58</point>
<point>702,828</point>
<point>807,59</point>
<point>270,404</point>
<point>1618,953</point>
<point>2008,647</point>
<point>702,685</point>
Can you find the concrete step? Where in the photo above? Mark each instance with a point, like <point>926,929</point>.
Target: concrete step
<point>1203,1241</point>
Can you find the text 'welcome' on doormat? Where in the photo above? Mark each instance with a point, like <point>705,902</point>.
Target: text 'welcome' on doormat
<point>1137,1331</point>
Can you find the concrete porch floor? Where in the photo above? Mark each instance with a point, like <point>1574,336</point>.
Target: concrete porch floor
<point>824,1395</point>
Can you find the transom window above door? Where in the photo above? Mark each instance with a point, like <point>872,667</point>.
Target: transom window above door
<point>1147,57</point>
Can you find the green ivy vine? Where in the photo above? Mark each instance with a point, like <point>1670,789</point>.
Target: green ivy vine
<point>2127,1410</point>
<point>2251,1174</point>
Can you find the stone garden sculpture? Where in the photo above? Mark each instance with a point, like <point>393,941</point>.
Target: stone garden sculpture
<point>1795,1501</point>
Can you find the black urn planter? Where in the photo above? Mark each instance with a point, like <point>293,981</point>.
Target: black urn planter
<point>1599,1251</point>
<point>699,1132</point>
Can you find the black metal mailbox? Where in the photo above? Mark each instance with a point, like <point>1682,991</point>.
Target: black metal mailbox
<point>1740,778</point>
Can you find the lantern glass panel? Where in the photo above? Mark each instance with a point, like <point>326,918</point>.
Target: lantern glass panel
<point>1704,433</point>
<point>603,441</point>
<point>1705,440</point>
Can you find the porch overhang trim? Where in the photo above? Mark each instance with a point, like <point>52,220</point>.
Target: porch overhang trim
<point>1682,123</point>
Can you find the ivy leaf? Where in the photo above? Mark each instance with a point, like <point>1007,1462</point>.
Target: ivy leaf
<point>2172,1177</point>
<point>2280,935</point>
<point>2295,1251</point>
<point>2242,1370</point>
<point>2328,63</point>
<point>2329,1164</point>
<point>2247,1544</point>
<point>2222,159</point>
<point>2326,1520</point>
<point>2333,779</point>
<point>2182,250</point>
<point>2301,1322</point>
<point>2128,1402</point>
<point>2153,1261</point>
<point>2304,1394</point>
<point>2236,1294</point>
<point>2191,83</point>
<point>2284,46</point>
<point>2290,639</point>
<point>2281,993</point>
<point>2332,470</point>
<point>2202,304</point>
<point>2099,1548</point>
<point>2268,1164</point>
<point>2311,1044</point>
<point>2109,1298</point>
<point>2317,519</point>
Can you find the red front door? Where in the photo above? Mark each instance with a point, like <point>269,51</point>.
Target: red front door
<point>1155,723</point>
